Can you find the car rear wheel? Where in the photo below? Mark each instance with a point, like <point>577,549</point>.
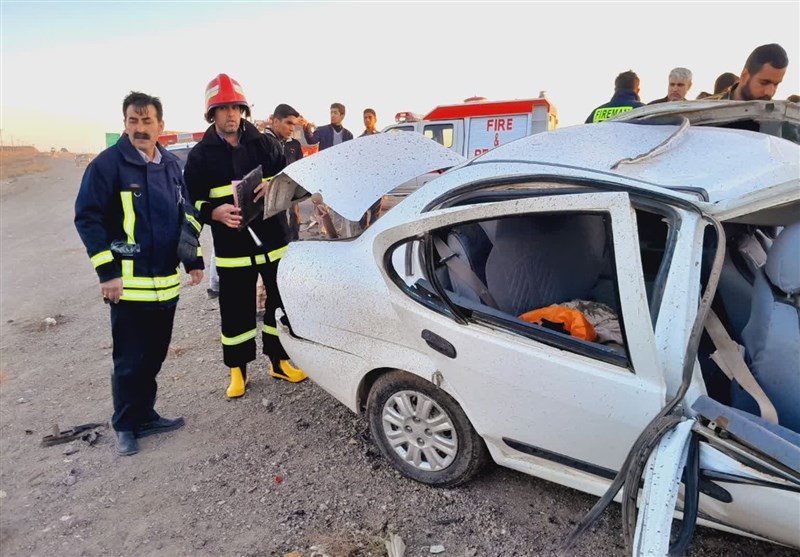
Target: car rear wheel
<point>423,431</point>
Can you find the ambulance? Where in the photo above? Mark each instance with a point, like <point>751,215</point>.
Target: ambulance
<point>476,126</point>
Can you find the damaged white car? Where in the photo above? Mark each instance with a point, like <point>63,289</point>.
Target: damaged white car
<point>572,305</point>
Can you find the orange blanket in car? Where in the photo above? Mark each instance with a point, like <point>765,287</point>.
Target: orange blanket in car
<point>573,321</point>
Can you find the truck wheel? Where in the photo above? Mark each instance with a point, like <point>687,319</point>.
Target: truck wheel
<point>423,431</point>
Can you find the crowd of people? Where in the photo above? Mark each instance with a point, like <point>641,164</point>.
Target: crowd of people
<point>762,73</point>
<point>140,216</point>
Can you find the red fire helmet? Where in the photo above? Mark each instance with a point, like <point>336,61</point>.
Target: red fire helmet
<point>224,90</point>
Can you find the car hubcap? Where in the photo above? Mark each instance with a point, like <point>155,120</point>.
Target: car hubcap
<point>419,431</point>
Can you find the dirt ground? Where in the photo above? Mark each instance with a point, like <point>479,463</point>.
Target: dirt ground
<point>284,470</point>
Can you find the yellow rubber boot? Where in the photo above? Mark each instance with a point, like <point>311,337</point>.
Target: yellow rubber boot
<point>238,382</point>
<point>288,372</point>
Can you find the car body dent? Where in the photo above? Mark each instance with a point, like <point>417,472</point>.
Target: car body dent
<point>353,175</point>
<point>374,336</point>
<point>715,112</point>
<point>738,164</point>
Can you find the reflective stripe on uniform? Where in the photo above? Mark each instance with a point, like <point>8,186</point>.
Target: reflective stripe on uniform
<point>199,205</point>
<point>132,295</point>
<point>221,191</point>
<point>194,222</point>
<point>233,261</point>
<point>247,261</point>
<point>199,251</point>
<point>244,337</point>
<point>142,289</point>
<point>128,215</point>
<point>276,254</point>
<point>102,258</point>
<point>270,330</point>
<point>151,283</point>
<point>127,268</point>
<point>603,114</point>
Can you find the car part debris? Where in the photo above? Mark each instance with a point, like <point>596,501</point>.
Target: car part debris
<point>395,546</point>
<point>86,432</point>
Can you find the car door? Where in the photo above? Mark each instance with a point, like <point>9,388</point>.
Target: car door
<point>521,393</point>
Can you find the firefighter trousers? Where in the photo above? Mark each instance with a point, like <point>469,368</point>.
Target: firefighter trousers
<point>237,308</point>
<point>141,334</point>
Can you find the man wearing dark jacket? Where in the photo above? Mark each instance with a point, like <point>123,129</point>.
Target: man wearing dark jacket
<point>230,149</point>
<point>680,81</point>
<point>626,98</point>
<point>280,131</point>
<point>332,134</point>
<point>130,212</point>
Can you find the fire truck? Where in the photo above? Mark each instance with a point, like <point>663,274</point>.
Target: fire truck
<point>475,126</point>
<point>478,125</point>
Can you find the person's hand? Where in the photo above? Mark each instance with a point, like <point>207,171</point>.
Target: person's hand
<point>260,191</point>
<point>195,276</point>
<point>228,215</point>
<point>316,198</point>
<point>111,290</point>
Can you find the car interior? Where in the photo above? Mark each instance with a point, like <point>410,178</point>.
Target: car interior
<point>757,302</point>
<point>545,275</point>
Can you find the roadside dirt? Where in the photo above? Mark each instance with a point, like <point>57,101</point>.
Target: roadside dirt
<point>284,470</point>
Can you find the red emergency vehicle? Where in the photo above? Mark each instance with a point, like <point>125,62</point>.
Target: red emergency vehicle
<point>478,125</point>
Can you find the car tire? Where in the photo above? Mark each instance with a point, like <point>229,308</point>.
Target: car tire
<point>423,431</point>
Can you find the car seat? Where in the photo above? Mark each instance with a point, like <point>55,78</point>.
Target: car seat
<point>541,260</point>
<point>772,334</point>
<point>745,255</point>
<point>469,243</point>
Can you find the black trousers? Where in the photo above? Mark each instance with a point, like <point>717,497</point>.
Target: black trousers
<point>141,333</point>
<point>237,309</point>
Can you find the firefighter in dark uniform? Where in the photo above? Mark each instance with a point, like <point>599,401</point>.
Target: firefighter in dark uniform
<point>131,213</point>
<point>231,148</point>
<point>625,99</point>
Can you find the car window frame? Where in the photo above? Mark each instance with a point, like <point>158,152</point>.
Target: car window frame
<point>645,354</point>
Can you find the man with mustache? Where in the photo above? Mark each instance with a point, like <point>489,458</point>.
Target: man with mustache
<point>763,72</point>
<point>129,213</point>
<point>231,148</point>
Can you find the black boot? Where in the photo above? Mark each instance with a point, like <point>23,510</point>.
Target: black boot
<point>126,443</point>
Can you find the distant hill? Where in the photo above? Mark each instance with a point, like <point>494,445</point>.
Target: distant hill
<point>20,160</point>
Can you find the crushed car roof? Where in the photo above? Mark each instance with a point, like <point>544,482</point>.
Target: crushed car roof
<point>727,168</point>
<point>721,164</point>
<point>711,113</point>
<point>354,174</point>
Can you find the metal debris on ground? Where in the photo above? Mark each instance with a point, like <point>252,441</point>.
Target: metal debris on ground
<point>85,432</point>
<point>395,546</point>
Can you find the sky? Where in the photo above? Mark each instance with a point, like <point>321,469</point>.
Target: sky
<point>66,66</point>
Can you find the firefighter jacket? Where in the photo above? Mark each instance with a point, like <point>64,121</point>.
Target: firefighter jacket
<point>130,216</point>
<point>624,100</point>
<point>212,166</point>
